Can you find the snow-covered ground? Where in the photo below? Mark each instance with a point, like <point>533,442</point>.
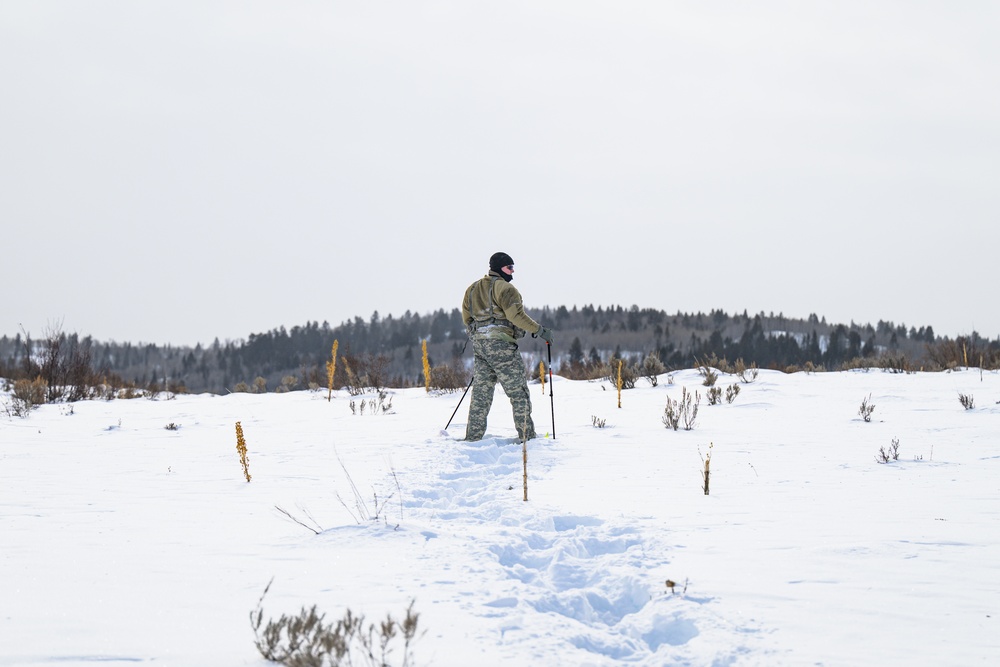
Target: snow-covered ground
<point>122,541</point>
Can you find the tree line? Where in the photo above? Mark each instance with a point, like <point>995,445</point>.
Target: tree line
<point>587,336</point>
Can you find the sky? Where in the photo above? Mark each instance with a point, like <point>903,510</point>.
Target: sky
<point>175,172</point>
<point>132,533</point>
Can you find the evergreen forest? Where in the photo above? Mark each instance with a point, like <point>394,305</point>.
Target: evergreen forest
<point>389,350</point>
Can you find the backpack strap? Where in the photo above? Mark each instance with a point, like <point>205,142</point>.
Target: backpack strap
<point>493,281</point>
<point>493,319</point>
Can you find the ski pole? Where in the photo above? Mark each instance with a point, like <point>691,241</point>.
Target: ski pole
<point>551,387</point>
<point>459,403</point>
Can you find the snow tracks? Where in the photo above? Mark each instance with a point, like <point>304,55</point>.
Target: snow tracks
<point>553,587</point>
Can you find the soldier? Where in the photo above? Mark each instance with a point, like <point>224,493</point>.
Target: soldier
<point>495,318</point>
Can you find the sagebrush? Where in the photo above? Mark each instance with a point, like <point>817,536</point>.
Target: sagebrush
<point>680,412</point>
<point>307,640</point>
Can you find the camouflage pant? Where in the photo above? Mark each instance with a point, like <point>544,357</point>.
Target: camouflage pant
<point>498,361</point>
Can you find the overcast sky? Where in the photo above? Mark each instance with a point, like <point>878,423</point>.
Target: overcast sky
<point>173,172</point>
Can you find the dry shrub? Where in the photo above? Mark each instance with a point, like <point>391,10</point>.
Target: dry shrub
<point>593,368</point>
<point>710,375</point>
<point>680,412</point>
<point>28,395</point>
<point>714,395</point>
<point>241,447</point>
<point>590,370</point>
<point>652,367</point>
<point>963,351</point>
<point>448,379</point>
<point>867,408</point>
<point>858,364</point>
<point>365,375</point>
<point>894,363</point>
<point>629,373</point>
<point>721,364</point>
<point>746,374</point>
<point>130,391</point>
<point>891,454</point>
<point>305,640</point>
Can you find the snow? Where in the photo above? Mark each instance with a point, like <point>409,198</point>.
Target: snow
<point>123,542</point>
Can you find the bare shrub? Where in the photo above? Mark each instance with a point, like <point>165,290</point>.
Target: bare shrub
<point>352,382</point>
<point>629,374</point>
<point>376,371</point>
<point>50,366</point>
<point>894,363</point>
<point>732,391</point>
<point>288,383</point>
<point>885,455</point>
<point>714,395</point>
<point>448,379</point>
<point>597,422</point>
<point>689,412</point>
<point>652,367</point>
<point>680,412</point>
<point>153,389</point>
<point>671,414</point>
<point>27,395</point>
<point>64,363</point>
<point>867,408</point>
<point>306,640</point>
<point>746,374</point>
<point>591,370</point>
<point>719,364</point>
<point>374,406</point>
<point>367,375</point>
<point>967,401</point>
<point>709,374</point>
<point>77,374</point>
<point>130,391</point>
<point>858,363</point>
<point>949,353</point>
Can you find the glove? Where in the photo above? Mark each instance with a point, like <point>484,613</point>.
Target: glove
<point>545,334</point>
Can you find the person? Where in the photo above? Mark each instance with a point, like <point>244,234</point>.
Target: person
<point>495,319</point>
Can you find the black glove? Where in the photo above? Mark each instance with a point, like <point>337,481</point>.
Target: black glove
<point>545,334</point>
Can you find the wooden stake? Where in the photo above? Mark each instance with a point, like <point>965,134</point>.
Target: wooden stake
<point>619,383</point>
<point>708,460</point>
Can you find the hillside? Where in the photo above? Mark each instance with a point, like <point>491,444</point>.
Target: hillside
<point>389,348</point>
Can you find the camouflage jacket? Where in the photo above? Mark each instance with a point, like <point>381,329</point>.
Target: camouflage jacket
<point>492,307</point>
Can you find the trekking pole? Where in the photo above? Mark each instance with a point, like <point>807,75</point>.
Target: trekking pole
<point>459,405</point>
<point>551,387</point>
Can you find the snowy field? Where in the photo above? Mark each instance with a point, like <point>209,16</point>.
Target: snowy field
<point>125,542</point>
